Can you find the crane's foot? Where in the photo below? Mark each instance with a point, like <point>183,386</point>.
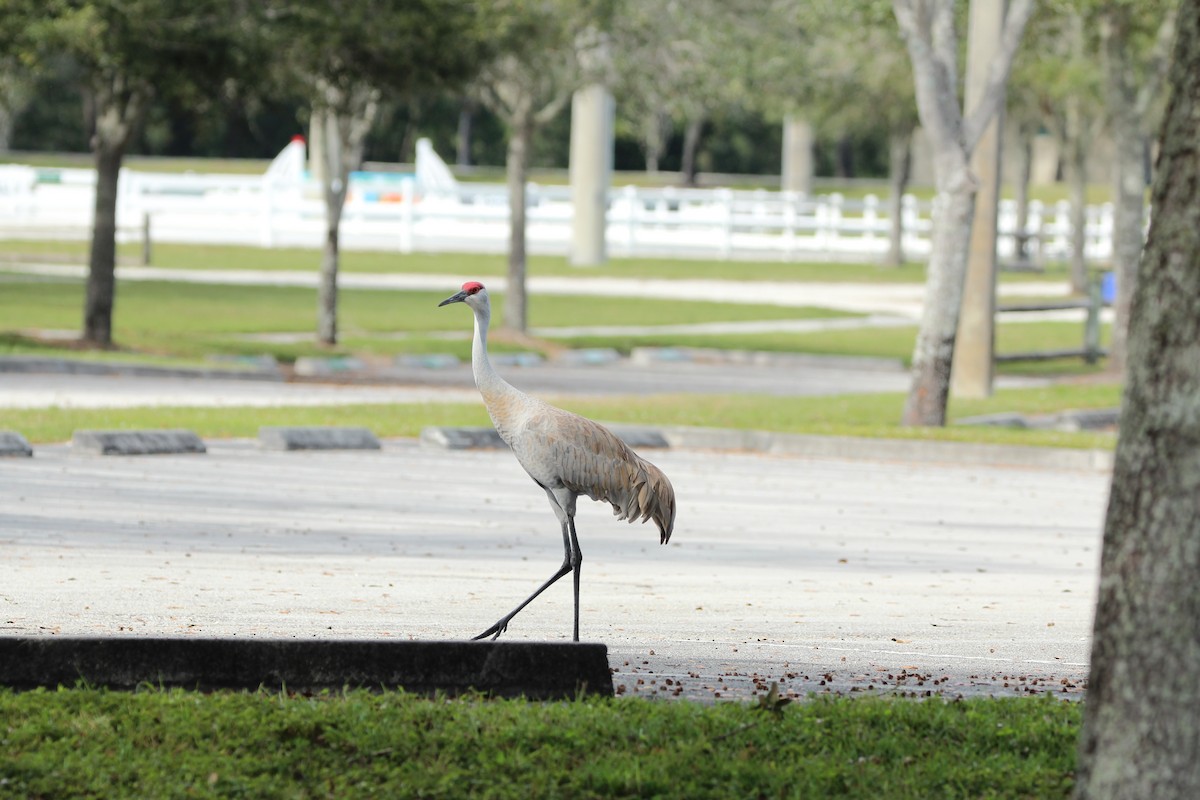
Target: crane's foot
<point>500,627</point>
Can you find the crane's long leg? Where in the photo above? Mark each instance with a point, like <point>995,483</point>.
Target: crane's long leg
<point>502,623</point>
<point>576,563</point>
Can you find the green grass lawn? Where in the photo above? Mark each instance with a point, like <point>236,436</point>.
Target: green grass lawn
<point>192,320</point>
<point>465,265</point>
<point>84,743</point>
<point>869,415</point>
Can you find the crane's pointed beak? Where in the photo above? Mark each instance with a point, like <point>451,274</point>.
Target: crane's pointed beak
<point>458,298</point>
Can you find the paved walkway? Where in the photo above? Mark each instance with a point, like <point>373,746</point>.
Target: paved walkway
<point>820,573</point>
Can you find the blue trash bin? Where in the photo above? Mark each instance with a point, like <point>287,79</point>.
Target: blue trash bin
<point>1108,287</point>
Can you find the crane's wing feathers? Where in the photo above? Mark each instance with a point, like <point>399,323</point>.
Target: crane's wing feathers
<point>589,459</point>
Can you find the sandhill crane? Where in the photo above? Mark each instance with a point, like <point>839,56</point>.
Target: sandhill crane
<point>566,454</point>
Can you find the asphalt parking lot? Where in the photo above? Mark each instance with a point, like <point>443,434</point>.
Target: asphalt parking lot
<point>840,574</point>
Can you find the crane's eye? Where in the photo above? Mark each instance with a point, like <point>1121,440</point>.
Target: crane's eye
<point>472,287</point>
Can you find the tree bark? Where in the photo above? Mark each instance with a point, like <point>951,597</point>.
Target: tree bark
<point>466,119</point>
<point>929,34</point>
<point>334,175</point>
<point>1129,214</point>
<point>1077,176</point>
<point>1077,133</point>
<point>517,169</point>
<point>344,119</point>
<point>933,355</point>
<point>1128,99</point>
<point>1141,733</point>
<point>1024,148</point>
<point>899,169</point>
<point>100,297</point>
<point>691,144</point>
<point>118,112</point>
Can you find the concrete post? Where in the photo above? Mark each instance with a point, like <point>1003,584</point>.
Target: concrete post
<point>972,372</point>
<point>592,113</point>
<point>798,166</point>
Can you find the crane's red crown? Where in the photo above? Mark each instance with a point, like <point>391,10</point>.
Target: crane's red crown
<point>472,287</point>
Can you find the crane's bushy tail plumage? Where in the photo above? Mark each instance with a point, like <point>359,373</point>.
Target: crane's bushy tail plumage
<point>598,464</point>
<point>652,497</point>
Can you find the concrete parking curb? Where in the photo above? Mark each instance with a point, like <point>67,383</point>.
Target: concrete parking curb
<point>317,438</point>
<point>812,446</point>
<point>14,444</point>
<point>68,366</point>
<point>888,449</point>
<point>535,670</point>
<point>136,443</point>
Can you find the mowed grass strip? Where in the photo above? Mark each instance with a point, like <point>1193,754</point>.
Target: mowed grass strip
<point>86,743</point>
<point>193,319</point>
<point>485,265</point>
<point>865,415</point>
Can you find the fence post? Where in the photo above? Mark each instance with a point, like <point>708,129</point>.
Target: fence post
<point>870,220</point>
<point>408,202</point>
<point>1037,224</point>
<point>1091,326</point>
<point>910,214</point>
<point>146,247</point>
<point>789,224</point>
<point>632,207</point>
<point>726,198</point>
<point>835,221</point>
<point>266,236</point>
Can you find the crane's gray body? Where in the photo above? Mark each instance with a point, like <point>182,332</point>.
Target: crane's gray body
<point>566,454</point>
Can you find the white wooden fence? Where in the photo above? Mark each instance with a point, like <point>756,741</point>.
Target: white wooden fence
<point>388,211</point>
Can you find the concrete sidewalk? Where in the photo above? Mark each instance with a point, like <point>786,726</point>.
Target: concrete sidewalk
<point>820,572</point>
<point>891,299</point>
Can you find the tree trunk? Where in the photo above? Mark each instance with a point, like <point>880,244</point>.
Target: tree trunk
<point>1128,220</point>
<point>344,120</point>
<point>899,167</point>
<point>843,163</point>
<point>466,119</point>
<point>934,351</point>
<point>517,168</point>
<point>102,261</point>
<point>118,112</point>
<point>1141,733</point>
<point>1024,148</point>
<point>1077,197</point>
<point>1122,95</point>
<point>691,144</point>
<point>334,176</point>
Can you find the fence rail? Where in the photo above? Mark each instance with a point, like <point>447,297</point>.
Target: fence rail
<point>386,211</point>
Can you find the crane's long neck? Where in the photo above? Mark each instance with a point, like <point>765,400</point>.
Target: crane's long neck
<point>498,395</point>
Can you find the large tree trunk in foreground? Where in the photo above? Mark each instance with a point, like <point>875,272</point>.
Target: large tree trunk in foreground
<point>1141,734</point>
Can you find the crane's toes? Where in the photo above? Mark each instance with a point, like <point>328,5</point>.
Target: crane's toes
<point>494,631</point>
